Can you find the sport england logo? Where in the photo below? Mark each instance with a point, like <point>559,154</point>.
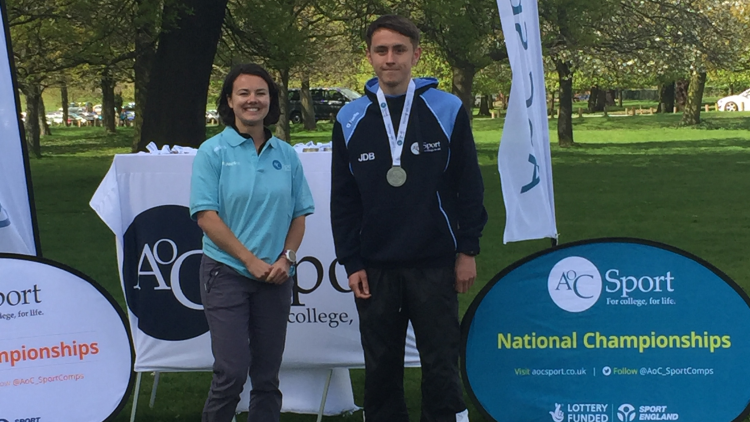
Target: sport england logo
<point>276,164</point>
<point>557,415</point>
<point>626,413</point>
<point>162,254</point>
<point>415,148</point>
<point>574,284</point>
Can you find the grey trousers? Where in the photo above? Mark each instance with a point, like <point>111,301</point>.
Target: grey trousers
<point>247,320</point>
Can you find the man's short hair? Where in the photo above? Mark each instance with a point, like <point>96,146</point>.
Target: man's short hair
<point>395,23</point>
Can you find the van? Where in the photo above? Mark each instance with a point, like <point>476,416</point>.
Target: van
<point>326,102</point>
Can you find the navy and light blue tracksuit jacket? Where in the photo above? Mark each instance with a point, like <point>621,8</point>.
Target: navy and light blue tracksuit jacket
<point>438,212</point>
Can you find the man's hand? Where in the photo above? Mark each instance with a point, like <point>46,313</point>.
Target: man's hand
<point>279,272</point>
<point>466,272</point>
<point>359,285</point>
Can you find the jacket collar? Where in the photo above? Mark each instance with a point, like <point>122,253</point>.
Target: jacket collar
<point>422,84</point>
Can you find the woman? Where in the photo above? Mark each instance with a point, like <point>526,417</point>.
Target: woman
<point>250,198</point>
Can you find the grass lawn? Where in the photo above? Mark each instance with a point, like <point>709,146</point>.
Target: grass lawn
<point>637,176</point>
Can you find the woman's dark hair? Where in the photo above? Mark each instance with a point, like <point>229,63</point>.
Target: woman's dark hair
<point>227,114</point>
<point>395,23</point>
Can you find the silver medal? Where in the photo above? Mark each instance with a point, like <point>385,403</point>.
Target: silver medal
<point>396,176</point>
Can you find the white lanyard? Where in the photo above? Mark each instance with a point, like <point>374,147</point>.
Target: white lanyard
<point>397,142</point>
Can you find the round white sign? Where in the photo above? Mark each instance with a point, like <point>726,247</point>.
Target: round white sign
<point>65,352</point>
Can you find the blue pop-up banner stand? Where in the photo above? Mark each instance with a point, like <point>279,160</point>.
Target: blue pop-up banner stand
<point>609,330</point>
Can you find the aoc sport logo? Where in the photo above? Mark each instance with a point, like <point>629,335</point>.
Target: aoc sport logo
<point>574,284</point>
<point>162,253</point>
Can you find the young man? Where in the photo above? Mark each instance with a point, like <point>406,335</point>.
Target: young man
<point>407,214</point>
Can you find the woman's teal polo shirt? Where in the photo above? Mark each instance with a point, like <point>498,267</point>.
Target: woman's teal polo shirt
<point>256,196</point>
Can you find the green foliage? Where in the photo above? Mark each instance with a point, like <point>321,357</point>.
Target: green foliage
<point>730,81</point>
<point>466,30</point>
<point>434,64</point>
<point>493,79</point>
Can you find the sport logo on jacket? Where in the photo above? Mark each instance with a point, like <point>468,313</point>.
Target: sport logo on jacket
<point>434,147</point>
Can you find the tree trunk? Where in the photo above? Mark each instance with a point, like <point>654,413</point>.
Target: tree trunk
<point>43,125</point>
<point>308,111</point>
<point>145,35</point>
<point>666,97</point>
<point>597,99</point>
<point>681,94</point>
<point>65,101</point>
<point>551,104</point>
<point>282,127</point>
<point>33,93</point>
<point>619,97</point>
<point>175,109</point>
<point>484,106</point>
<point>610,97</point>
<point>692,114</point>
<point>593,94</point>
<point>565,121</point>
<point>108,100</point>
<point>463,79</point>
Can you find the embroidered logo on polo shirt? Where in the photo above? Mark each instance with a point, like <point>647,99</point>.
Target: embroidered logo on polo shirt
<point>230,163</point>
<point>276,164</point>
<point>415,148</point>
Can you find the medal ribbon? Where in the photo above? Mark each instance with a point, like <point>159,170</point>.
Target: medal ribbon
<point>397,142</point>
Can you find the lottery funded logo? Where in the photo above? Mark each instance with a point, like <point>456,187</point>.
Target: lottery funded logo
<point>580,412</point>
<point>574,284</point>
<point>162,253</point>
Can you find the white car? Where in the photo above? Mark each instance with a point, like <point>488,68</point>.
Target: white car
<point>739,102</point>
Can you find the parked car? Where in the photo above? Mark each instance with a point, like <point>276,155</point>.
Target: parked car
<point>89,116</point>
<point>55,117</point>
<point>75,118</point>
<point>212,117</point>
<point>326,102</point>
<point>739,102</point>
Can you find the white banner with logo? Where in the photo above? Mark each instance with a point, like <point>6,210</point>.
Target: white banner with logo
<point>144,201</point>
<point>16,223</point>
<point>524,155</point>
<point>65,354</point>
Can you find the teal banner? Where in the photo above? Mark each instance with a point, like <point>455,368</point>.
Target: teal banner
<point>608,330</point>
